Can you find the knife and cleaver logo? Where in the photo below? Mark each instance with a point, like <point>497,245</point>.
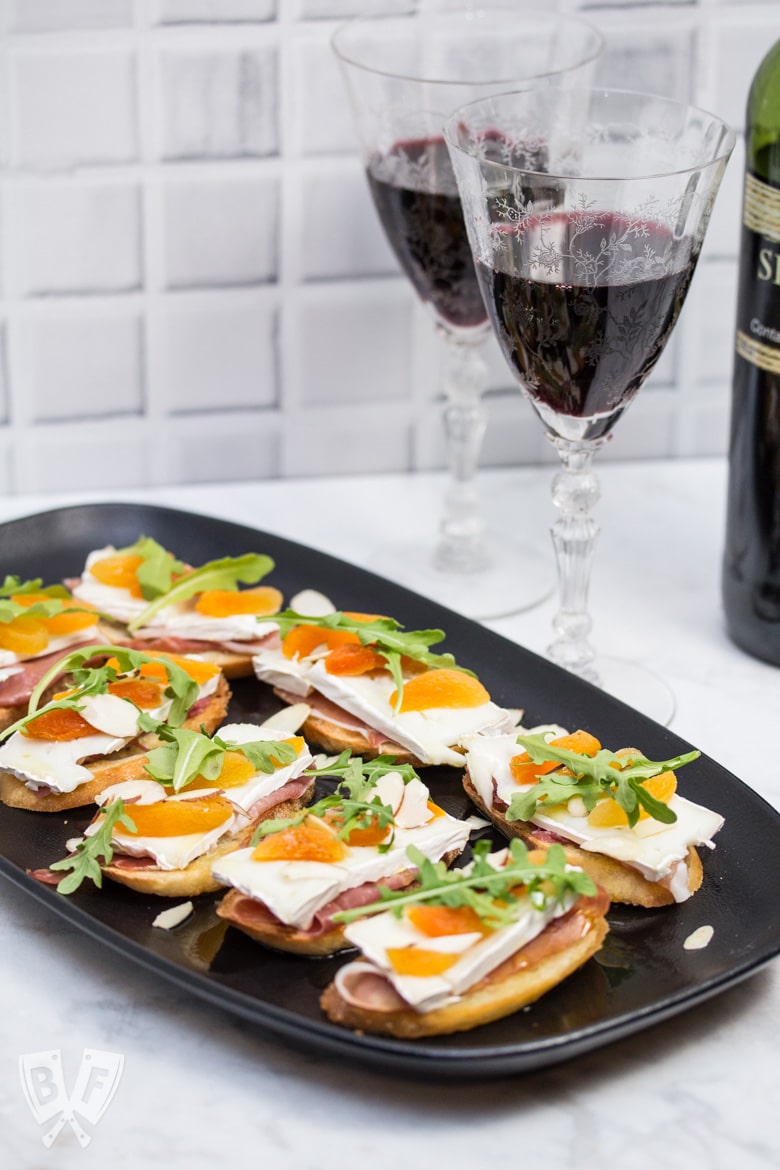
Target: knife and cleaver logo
<point>43,1082</point>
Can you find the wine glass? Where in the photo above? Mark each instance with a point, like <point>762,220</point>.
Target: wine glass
<point>404,76</point>
<point>586,213</point>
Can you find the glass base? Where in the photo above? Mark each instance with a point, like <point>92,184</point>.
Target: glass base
<point>637,686</point>
<point>517,578</point>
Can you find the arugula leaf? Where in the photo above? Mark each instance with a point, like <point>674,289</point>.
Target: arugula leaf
<point>493,894</point>
<point>385,635</point>
<point>54,601</point>
<point>605,774</point>
<point>85,861</point>
<point>186,754</point>
<point>352,804</point>
<point>159,567</point>
<point>221,574</point>
<point>181,689</point>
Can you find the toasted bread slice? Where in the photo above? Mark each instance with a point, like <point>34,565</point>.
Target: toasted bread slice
<point>266,928</point>
<point>196,878</point>
<point>622,882</point>
<point>333,738</point>
<point>269,931</point>
<point>519,981</point>
<point>127,764</point>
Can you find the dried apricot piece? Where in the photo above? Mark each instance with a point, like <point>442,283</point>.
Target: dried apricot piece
<point>526,772</point>
<point>442,687</point>
<point>301,641</point>
<point>311,840</point>
<point>120,571</point>
<point>222,603</point>
<point>199,671</point>
<point>350,660</point>
<point>60,723</point>
<point>435,921</point>
<point>143,692</point>
<point>62,624</point>
<point>419,962</point>
<point>179,818</point>
<point>24,635</point>
<point>609,814</point>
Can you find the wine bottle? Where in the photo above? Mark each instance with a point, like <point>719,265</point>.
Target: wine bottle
<point>751,564</point>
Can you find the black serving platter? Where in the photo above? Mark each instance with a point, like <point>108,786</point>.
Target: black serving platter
<point>643,974</point>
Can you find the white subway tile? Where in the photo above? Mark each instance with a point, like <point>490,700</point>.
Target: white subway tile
<point>233,447</point>
<point>323,118</point>
<point>646,429</point>
<point>218,352</point>
<point>85,366</point>
<point>79,238</point>
<point>75,107</point>
<point>37,16</point>
<point>347,441</point>
<point>340,235</point>
<point>737,53</point>
<point>648,57</point>
<point>3,375</point>
<point>354,345</point>
<point>215,11</point>
<point>221,231</point>
<point>325,9</point>
<point>713,298</point>
<point>83,457</point>
<point>218,104</point>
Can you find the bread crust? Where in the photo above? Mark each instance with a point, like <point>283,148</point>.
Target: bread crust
<point>622,882</point>
<point>127,764</point>
<point>510,987</point>
<point>280,937</point>
<point>333,738</point>
<point>196,878</point>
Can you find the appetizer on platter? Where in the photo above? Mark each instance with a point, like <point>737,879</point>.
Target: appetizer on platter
<point>376,688</point>
<point>158,600</point>
<point>299,872</point>
<point>38,627</point>
<point>617,814</point>
<point>469,945</point>
<point>96,732</point>
<point>201,798</point>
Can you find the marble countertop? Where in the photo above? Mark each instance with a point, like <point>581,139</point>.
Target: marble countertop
<point>201,1087</point>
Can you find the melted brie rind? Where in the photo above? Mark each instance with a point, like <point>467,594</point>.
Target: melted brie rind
<point>295,890</point>
<point>655,849</point>
<point>478,954</point>
<point>429,734</point>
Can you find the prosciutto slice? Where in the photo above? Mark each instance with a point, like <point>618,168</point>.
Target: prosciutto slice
<point>18,688</point>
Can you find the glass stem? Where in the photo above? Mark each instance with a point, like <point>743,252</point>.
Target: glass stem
<point>461,547</point>
<point>575,491</point>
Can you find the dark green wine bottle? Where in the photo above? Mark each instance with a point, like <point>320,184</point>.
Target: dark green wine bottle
<point>751,563</point>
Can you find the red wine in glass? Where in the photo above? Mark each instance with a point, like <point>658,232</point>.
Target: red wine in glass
<point>582,331</point>
<point>416,197</point>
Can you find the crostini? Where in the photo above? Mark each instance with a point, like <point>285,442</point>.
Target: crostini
<point>468,946</point>
<point>156,600</point>
<point>376,688</point>
<point>63,754</point>
<point>202,798</point>
<point>299,872</point>
<point>617,814</point>
<point>39,625</point>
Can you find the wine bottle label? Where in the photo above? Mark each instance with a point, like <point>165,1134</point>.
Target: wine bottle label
<point>758,313</point>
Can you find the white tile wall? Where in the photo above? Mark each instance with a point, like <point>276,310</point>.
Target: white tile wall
<point>194,284</point>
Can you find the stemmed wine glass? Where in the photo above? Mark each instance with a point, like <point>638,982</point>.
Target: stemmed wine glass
<point>586,212</point>
<point>404,76</point>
